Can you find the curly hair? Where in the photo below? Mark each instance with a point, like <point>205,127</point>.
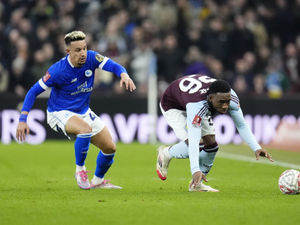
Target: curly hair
<point>219,86</point>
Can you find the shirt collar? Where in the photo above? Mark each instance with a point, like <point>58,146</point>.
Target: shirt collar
<point>69,61</point>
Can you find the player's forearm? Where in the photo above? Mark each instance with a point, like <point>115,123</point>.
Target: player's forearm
<point>194,140</point>
<point>249,138</point>
<point>194,158</point>
<point>194,135</point>
<point>114,67</point>
<point>244,130</point>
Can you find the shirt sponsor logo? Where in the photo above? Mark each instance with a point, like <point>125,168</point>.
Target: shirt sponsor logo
<point>83,85</point>
<point>46,77</point>
<point>99,57</point>
<point>83,88</point>
<point>88,73</point>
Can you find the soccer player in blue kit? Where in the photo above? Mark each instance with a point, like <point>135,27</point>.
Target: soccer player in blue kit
<point>71,80</point>
<point>188,105</point>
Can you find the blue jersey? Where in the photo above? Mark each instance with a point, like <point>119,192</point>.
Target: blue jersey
<point>71,86</point>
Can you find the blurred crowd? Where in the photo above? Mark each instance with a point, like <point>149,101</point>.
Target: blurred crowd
<point>253,44</point>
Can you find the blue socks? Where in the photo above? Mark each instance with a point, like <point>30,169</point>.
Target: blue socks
<point>104,162</point>
<point>81,145</point>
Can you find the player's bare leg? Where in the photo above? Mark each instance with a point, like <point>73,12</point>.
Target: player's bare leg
<point>103,141</point>
<point>76,125</point>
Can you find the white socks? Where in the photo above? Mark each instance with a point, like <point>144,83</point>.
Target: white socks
<point>97,180</point>
<point>79,168</point>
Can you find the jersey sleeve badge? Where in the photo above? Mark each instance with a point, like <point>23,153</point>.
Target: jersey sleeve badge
<point>46,77</point>
<point>99,57</point>
<point>197,121</point>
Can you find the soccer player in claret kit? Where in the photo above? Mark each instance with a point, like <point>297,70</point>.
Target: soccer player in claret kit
<point>188,105</point>
<point>71,80</point>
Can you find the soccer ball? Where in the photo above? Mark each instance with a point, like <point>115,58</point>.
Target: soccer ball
<point>289,182</point>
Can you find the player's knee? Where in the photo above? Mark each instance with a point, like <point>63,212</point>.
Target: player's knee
<point>212,147</point>
<point>210,143</point>
<point>109,148</point>
<point>209,140</point>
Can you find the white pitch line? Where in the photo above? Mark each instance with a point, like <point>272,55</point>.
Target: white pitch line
<point>252,159</point>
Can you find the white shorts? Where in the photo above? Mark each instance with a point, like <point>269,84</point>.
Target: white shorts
<point>57,120</point>
<point>177,120</point>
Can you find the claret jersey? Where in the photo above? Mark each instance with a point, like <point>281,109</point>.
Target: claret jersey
<point>184,90</point>
<point>189,93</point>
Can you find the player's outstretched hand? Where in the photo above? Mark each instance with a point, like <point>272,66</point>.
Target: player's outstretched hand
<point>22,131</point>
<point>129,85</point>
<point>263,153</point>
<point>197,177</point>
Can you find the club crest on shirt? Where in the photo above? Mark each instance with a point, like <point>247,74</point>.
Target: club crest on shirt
<point>46,77</point>
<point>88,73</point>
<point>99,57</point>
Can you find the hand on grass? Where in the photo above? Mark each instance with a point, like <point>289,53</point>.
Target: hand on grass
<point>197,177</point>
<point>263,153</point>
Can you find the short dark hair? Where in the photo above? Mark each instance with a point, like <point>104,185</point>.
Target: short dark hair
<point>74,36</point>
<point>221,86</point>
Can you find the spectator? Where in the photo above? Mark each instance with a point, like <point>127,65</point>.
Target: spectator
<point>42,61</point>
<point>263,56</point>
<point>292,66</point>
<point>109,8</point>
<point>163,13</point>
<point>170,59</point>
<point>112,43</point>
<point>259,85</point>
<point>194,62</point>
<point>242,77</point>
<point>283,21</point>
<point>257,28</point>
<point>141,58</point>
<point>241,39</point>
<point>276,82</point>
<point>216,68</point>
<point>225,32</point>
<point>4,79</point>
<point>215,40</point>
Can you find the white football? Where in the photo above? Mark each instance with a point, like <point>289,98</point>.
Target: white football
<point>289,182</point>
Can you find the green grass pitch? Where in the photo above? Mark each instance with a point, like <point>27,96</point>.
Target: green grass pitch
<point>37,187</point>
